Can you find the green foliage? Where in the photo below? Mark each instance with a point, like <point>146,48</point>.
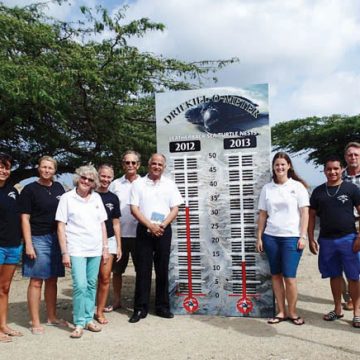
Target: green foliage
<point>67,94</point>
<point>317,137</point>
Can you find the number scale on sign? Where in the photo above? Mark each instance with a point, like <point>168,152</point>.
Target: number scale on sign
<point>242,221</point>
<point>185,174</point>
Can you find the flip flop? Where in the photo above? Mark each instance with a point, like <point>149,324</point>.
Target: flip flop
<point>332,315</point>
<point>58,323</point>
<point>101,319</point>
<point>297,321</point>
<point>77,333</point>
<point>37,330</point>
<point>12,332</point>
<point>91,326</point>
<point>108,309</point>
<point>356,322</point>
<point>276,320</point>
<point>5,338</point>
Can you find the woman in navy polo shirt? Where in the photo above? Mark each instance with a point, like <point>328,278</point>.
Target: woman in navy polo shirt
<point>10,243</point>
<point>112,207</point>
<point>42,257</point>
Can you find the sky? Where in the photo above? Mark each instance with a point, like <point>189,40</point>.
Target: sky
<point>307,50</point>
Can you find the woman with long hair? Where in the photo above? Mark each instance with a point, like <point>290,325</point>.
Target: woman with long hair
<point>282,227</point>
<point>10,243</point>
<point>112,207</point>
<point>42,258</point>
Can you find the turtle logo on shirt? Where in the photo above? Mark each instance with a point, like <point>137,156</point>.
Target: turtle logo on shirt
<point>343,198</point>
<point>12,194</point>
<point>109,206</point>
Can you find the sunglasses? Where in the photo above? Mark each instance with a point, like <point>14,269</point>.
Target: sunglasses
<point>130,162</point>
<point>84,178</point>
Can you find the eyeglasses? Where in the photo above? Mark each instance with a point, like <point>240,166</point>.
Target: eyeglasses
<point>84,178</point>
<point>130,162</point>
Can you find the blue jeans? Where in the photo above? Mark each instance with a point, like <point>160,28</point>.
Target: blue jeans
<point>84,272</point>
<point>48,262</point>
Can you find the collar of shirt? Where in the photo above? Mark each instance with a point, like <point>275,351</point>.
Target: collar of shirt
<point>350,177</point>
<point>150,182</point>
<point>124,180</point>
<point>78,197</point>
<point>287,183</point>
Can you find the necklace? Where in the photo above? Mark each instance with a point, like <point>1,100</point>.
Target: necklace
<point>337,190</point>
<point>47,189</point>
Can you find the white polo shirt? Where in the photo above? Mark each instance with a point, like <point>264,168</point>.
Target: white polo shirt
<point>121,187</point>
<point>155,198</point>
<point>83,219</point>
<point>282,202</point>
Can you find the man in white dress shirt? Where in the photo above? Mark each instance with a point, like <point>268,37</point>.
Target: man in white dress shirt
<point>121,187</point>
<point>154,202</point>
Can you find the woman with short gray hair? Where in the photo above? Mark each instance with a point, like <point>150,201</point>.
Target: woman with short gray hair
<point>83,240</point>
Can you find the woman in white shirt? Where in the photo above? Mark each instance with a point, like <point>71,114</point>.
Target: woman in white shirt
<point>83,240</point>
<point>282,226</point>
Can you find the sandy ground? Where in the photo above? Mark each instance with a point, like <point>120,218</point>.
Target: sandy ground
<point>190,337</point>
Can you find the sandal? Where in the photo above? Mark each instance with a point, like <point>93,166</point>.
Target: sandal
<point>58,323</point>
<point>101,319</point>
<point>276,320</point>
<point>77,333</point>
<point>37,330</point>
<point>108,309</point>
<point>297,321</point>
<point>91,326</point>
<point>5,338</point>
<point>356,322</point>
<point>12,332</point>
<point>332,315</point>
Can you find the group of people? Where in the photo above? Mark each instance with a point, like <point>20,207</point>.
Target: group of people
<point>90,230</point>
<point>287,216</point>
<point>94,228</point>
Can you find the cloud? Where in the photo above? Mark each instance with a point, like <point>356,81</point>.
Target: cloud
<point>260,32</point>
<point>300,47</point>
<point>334,94</point>
<point>306,50</point>
<point>65,12</point>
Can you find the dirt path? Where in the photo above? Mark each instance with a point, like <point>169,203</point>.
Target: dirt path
<point>191,337</point>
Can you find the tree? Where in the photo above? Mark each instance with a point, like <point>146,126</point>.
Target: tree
<point>317,137</point>
<point>66,94</point>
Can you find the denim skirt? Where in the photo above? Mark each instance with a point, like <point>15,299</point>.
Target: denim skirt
<point>48,262</point>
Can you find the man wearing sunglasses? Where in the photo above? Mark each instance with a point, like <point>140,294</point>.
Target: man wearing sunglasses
<point>121,187</point>
<point>154,202</point>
